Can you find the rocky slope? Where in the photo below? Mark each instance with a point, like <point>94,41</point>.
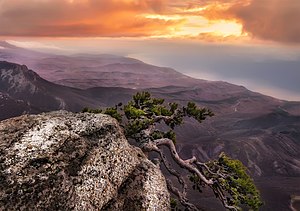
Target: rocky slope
<point>66,161</point>
<point>24,91</point>
<point>11,107</point>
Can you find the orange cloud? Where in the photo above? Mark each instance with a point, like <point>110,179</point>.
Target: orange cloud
<point>82,18</point>
<point>264,19</point>
<point>275,20</point>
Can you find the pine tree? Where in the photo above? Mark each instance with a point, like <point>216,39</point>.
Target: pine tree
<point>227,177</point>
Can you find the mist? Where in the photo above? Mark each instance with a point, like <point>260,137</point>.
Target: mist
<point>266,68</point>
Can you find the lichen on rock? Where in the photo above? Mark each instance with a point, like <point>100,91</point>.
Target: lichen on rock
<point>65,161</point>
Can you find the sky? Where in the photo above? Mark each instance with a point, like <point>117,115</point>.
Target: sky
<point>255,43</point>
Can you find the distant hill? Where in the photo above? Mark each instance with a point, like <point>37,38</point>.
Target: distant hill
<point>24,91</point>
<point>87,71</point>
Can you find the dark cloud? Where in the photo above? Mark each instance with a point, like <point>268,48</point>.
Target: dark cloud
<point>276,20</point>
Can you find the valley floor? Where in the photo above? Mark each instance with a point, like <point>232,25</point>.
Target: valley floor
<point>277,192</point>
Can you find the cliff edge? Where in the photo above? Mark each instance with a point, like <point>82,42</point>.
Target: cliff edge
<point>66,161</point>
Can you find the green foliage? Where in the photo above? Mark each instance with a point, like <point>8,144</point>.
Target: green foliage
<point>159,134</point>
<point>171,135</point>
<point>173,204</point>
<point>235,181</point>
<point>144,111</point>
<point>199,114</point>
<point>113,112</point>
<point>134,127</point>
<point>132,112</point>
<point>239,184</point>
<point>143,106</point>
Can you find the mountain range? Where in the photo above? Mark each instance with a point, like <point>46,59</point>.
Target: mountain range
<point>261,131</point>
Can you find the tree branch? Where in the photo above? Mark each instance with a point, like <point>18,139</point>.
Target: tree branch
<point>151,147</point>
<point>182,163</point>
<point>181,197</point>
<point>187,164</point>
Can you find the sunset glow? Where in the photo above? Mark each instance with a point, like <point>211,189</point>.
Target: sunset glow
<point>183,19</point>
<point>193,26</point>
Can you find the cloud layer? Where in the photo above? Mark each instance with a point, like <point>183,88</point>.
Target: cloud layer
<point>81,18</point>
<point>275,20</point>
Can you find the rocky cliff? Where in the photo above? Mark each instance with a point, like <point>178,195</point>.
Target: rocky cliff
<point>23,91</point>
<point>66,161</point>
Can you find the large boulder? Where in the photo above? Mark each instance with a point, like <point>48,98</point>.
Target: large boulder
<point>66,161</point>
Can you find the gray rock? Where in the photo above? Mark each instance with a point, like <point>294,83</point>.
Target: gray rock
<point>66,161</point>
